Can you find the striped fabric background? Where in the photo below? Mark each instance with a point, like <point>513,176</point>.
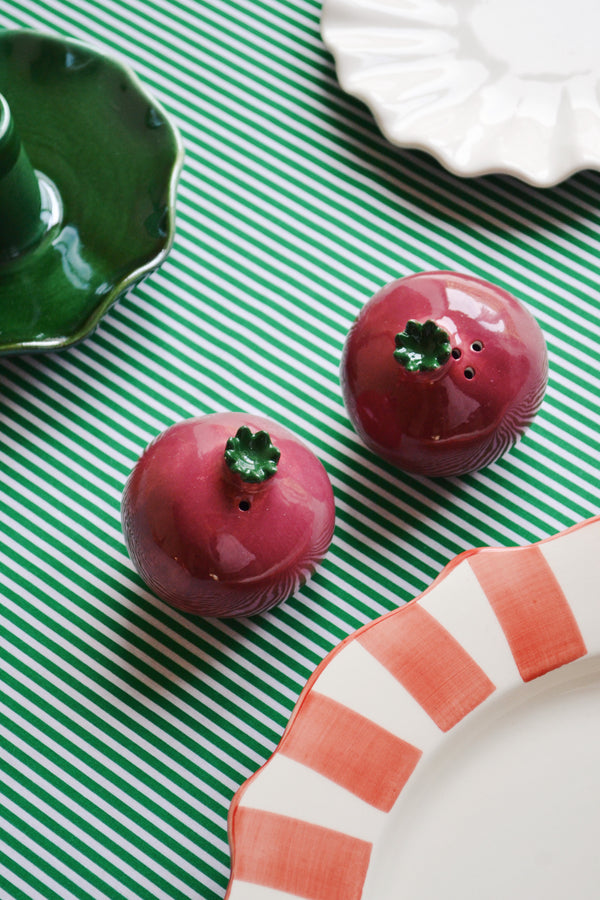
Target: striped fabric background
<point>125,727</point>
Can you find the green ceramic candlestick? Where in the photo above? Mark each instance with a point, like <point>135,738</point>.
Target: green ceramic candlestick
<point>89,163</point>
<point>21,224</point>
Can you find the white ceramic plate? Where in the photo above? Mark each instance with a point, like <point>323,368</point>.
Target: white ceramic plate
<point>448,749</point>
<point>507,86</point>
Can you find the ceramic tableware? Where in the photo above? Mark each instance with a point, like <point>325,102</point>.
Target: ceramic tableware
<point>483,85</point>
<point>227,514</point>
<point>443,372</point>
<point>89,163</point>
<point>446,749</point>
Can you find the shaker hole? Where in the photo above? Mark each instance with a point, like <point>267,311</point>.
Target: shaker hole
<point>244,505</point>
<point>469,372</point>
<point>456,353</point>
<point>477,346</point>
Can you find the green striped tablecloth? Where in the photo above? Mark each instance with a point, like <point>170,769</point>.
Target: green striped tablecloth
<point>125,727</point>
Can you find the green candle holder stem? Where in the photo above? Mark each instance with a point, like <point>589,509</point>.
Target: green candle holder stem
<point>29,202</point>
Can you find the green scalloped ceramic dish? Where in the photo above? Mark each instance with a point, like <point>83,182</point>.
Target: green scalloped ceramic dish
<point>107,160</point>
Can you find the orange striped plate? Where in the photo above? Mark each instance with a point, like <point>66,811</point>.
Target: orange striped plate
<point>472,669</point>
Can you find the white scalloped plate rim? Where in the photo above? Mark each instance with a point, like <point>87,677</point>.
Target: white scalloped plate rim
<point>556,134</point>
<point>291,810</point>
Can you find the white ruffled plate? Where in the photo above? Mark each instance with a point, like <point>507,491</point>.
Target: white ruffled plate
<point>486,86</point>
<point>447,749</point>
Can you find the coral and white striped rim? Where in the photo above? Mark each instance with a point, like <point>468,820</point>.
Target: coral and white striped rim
<point>306,824</point>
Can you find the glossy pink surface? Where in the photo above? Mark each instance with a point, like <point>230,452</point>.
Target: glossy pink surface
<point>465,415</point>
<point>207,543</point>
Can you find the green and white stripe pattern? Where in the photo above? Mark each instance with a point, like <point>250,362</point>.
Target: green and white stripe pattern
<point>125,727</point>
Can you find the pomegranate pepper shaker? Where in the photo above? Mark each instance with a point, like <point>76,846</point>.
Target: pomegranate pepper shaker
<point>443,372</point>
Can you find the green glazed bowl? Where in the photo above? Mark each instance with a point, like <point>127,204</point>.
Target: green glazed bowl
<point>89,164</point>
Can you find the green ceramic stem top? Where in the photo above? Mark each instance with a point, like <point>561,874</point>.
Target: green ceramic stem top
<point>422,347</point>
<point>252,456</point>
<point>20,199</point>
<point>9,141</point>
